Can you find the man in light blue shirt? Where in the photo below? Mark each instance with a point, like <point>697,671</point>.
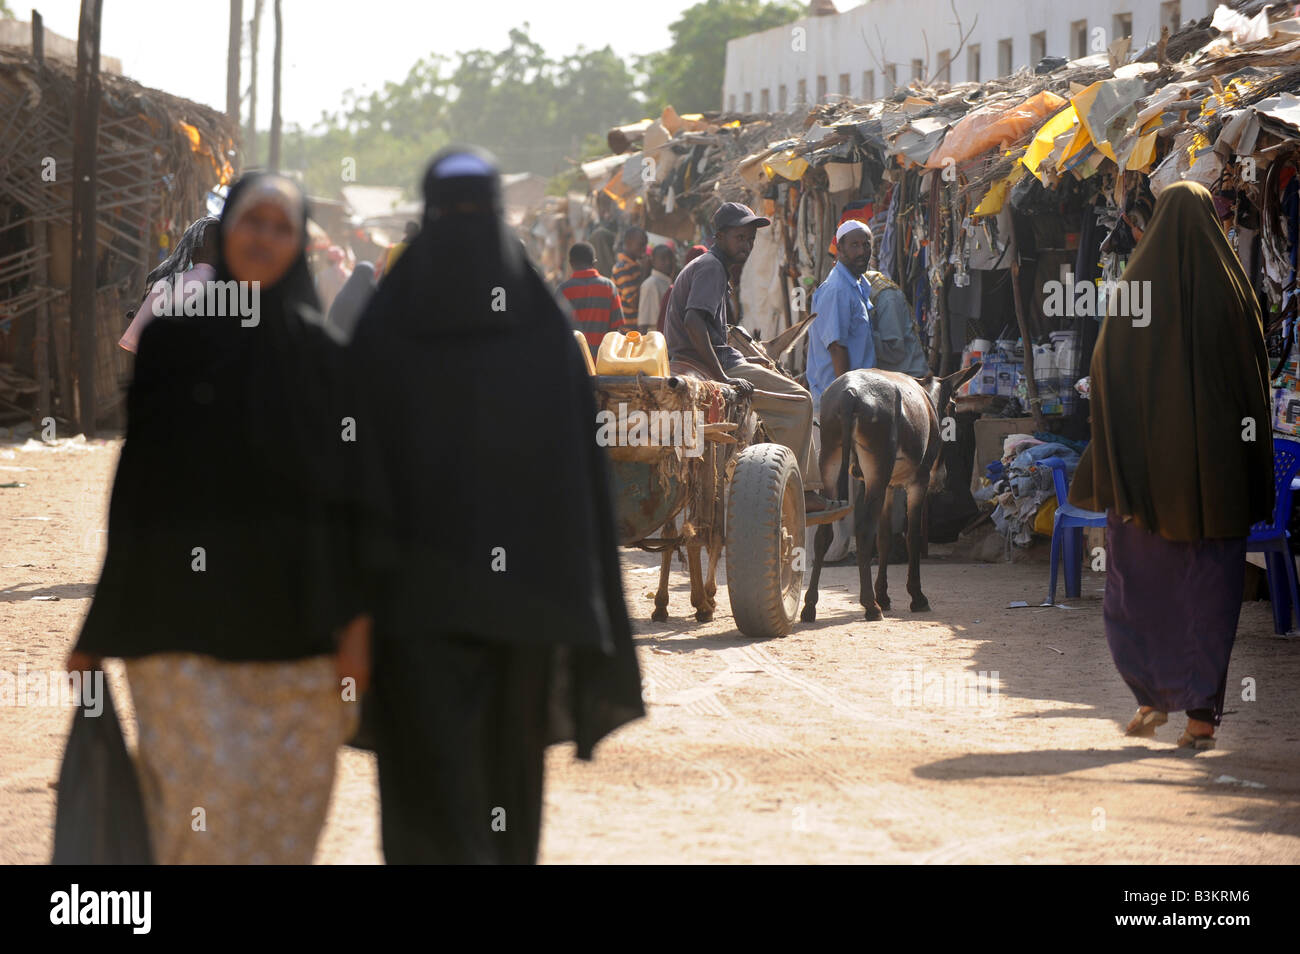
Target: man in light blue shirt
<point>840,338</point>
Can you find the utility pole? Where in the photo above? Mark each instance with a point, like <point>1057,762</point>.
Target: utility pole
<point>84,148</point>
<point>273,160</point>
<point>250,137</point>
<point>233,47</point>
<point>40,242</point>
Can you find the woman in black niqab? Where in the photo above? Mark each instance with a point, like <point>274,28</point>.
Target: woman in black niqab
<point>500,625</point>
<point>226,583</point>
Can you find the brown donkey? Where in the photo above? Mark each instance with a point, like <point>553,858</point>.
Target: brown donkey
<point>884,428</point>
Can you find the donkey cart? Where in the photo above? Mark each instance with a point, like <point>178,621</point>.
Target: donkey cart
<point>687,474</point>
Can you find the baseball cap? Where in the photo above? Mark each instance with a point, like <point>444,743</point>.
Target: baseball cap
<point>732,214</point>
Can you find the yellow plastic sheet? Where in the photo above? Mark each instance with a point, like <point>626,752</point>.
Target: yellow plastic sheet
<point>996,198</point>
<point>1045,141</point>
<point>1082,103</point>
<point>1144,153</point>
<point>785,164</point>
<point>1074,151</point>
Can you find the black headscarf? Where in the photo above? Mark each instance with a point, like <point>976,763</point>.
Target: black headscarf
<point>488,496</point>
<point>351,299</point>
<point>227,525</point>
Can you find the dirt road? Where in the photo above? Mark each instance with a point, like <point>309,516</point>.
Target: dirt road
<point>845,742</point>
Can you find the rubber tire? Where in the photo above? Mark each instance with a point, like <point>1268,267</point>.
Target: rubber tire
<point>761,609</point>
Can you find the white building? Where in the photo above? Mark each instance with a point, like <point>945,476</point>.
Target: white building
<point>865,52</point>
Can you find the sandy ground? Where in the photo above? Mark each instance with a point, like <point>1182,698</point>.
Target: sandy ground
<point>813,748</point>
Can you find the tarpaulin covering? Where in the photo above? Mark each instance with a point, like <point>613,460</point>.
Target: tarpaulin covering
<point>1045,141</point>
<point>1106,109</point>
<point>785,164</point>
<point>996,198</point>
<point>919,138</point>
<point>994,126</point>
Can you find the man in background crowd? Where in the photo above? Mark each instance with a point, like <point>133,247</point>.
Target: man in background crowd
<point>696,329</point>
<point>654,289</point>
<point>394,253</point>
<point>840,337</point>
<point>331,279</point>
<point>630,271</point>
<point>592,298</point>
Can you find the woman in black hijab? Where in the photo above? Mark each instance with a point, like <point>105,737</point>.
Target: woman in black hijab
<point>351,299</point>
<point>225,585</point>
<point>500,625</point>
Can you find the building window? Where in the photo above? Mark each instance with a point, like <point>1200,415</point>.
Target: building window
<point>802,99</point>
<point>1121,25</point>
<point>821,89</point>
<point>780,98</point>
<point>918,70</point>
<point>1005,65</point>
<point>891,78</point>
<point>944,73</point>
<point>868,86</point>
<point>973,63</point>
<point>731,103</point>
<point>1079,39</point>
<point>1037,48</point>
<point>844,85</point>
<point>1171,15</point>
<point>765,101</point>
<point>749,102</point>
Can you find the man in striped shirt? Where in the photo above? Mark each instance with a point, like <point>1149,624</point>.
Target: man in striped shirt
<point>591,297</point>
<point>630,272</point>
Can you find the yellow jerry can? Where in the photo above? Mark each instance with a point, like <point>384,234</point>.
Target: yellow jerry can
<point>632,353</point>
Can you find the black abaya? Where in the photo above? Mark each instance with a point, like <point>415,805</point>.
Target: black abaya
<point>227,530</point>
<point>489,544</point>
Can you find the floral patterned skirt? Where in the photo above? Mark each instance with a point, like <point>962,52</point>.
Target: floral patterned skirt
<point>236,760</point>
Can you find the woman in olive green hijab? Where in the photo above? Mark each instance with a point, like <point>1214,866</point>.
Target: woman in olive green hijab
<point>1181,457</point>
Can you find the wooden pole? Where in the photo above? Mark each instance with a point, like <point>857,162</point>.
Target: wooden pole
<point>234,45</point>
<point>38,40</point>
<point>84,147</point>
<point>1031,386</point>
<point>273,159</point>
<point>250,137</point>
<point>40,231</point>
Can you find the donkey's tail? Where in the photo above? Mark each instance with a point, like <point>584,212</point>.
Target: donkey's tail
<point>847,409</point>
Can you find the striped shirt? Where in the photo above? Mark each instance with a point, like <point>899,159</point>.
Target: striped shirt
<point>595,304</point>
<point>627,276</point>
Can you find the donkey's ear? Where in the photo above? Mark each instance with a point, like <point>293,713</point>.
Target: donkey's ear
<point>954,381</point>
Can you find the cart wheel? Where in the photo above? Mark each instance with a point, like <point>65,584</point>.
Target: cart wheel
<point>765,529</point>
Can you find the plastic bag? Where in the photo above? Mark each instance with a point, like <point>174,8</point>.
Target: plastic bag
<point>100,815</point>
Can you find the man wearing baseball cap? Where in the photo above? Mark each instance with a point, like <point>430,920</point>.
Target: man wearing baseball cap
<point>695,328</point>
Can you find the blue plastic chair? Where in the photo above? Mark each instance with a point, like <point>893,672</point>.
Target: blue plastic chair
<point>1067,532</point>
<point>1271,538</point>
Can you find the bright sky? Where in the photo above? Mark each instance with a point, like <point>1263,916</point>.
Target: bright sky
<point>334,45</point>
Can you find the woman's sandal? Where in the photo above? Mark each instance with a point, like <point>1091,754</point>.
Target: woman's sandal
<point>1198,743</point>
<point>1145,723</point>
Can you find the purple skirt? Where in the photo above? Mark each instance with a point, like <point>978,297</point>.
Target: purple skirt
<point>1171,614</point>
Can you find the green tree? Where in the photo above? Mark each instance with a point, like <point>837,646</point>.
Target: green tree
<point>689,74</point>
<point>533,112</point>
